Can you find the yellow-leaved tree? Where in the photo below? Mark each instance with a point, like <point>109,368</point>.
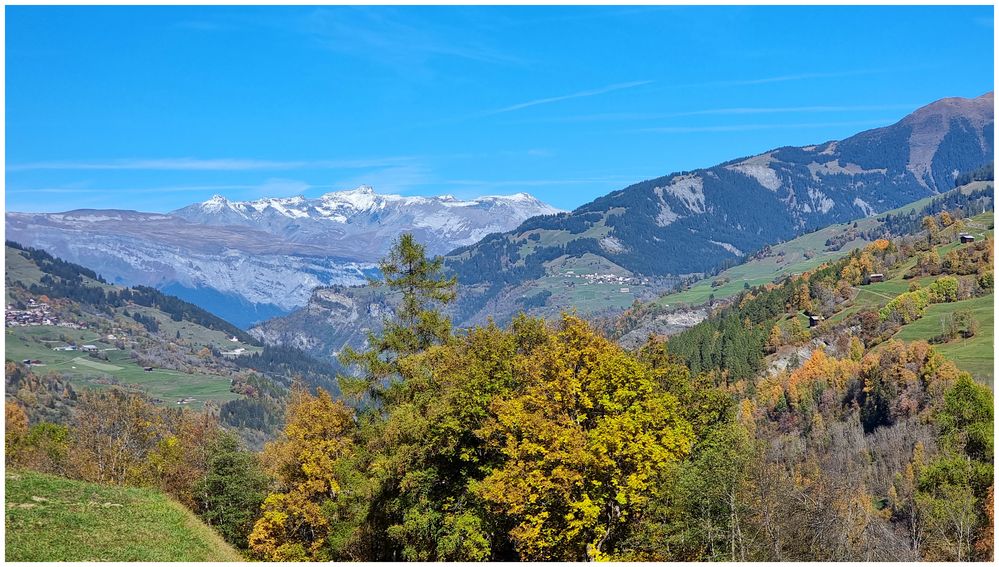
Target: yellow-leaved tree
<point>307,461</point>
<point>582,440</point>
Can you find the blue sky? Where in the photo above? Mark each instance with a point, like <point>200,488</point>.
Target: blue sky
<point>152,108</point>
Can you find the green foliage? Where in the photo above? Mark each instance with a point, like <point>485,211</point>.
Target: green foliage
<point>952,485</point>
<point>906,307</point>
<point>943,289</point>
<point>229,495</point>
<point>690,513</point>
<point>416,324</point>
<point>967,418</point>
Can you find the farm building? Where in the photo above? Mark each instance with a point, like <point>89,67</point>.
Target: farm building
<point>875,278</point>
<point>966,238</point>
<point>814,320</point>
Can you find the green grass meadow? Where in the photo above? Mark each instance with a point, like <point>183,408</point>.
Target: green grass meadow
<point>49,518</point>
<point>81,370</point>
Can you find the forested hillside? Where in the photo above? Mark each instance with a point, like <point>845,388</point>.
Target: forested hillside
<point>693,221</point>
<point>684,307</point>
<point>749,437</point>
<point>69,330</point>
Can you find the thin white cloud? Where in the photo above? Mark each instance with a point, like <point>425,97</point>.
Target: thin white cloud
<point>388,36</point>
<point>533,182</point>
<point>397,179</point>
<point>793,109</point>
<point>196,164</point>
<point>627,116</point>
<point>270,188</point>
<point>753,127</point>
<point>581,94</point>
<point>792,77</point>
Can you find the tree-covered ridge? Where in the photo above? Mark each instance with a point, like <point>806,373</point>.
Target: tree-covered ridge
<point>67,280</point>
<point>63,279</point>
<point>671,224</point>
<point>984,173</point>
<point>143,340</point>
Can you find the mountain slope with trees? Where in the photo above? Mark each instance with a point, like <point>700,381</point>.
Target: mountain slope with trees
<point>694,221</point>
<point>634,244</point>
<point>543,440</point>
<point>69,330</point>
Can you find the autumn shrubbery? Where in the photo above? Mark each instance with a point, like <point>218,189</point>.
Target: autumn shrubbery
<point>123,439</point>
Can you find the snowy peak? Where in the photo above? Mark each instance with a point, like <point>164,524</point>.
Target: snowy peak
<point>340,205</point>
<point>216,203</point>
<point>365,221</point>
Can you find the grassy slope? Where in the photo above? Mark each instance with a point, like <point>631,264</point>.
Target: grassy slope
<point>761,271</point>
<point>50,518</point>
<point>976,355</point>
<point>37,342</point>
<point>79,369</point>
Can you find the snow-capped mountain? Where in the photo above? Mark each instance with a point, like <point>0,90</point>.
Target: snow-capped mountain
<point>361,223</point>
<point>247,261</point>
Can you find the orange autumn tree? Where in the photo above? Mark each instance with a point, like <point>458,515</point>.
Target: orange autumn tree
<point>15,431</point>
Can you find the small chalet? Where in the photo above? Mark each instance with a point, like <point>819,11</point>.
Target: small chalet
<point>814,320</point>
<point>89,348</point>
<point>875,278</point>
<point>966,238</point>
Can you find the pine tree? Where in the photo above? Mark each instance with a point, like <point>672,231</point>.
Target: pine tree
<point>416,324</point>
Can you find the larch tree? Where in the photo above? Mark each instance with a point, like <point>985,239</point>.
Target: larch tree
<point>416,324</point>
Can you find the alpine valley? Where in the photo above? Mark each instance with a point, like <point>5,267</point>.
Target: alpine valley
<point>248,261</point>
<point>653,236</point>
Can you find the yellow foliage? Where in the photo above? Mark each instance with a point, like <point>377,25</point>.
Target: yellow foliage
<point>318,431</point>
<point>582,444</point>
<point>819,370</point>
<point>15,430</point>
<point>880,244</point>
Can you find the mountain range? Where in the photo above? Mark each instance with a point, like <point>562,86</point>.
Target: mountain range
<point>360,224</point>
<point>626,245</point>
<point>249,261</point>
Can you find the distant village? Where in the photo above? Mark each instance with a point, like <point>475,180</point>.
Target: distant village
<point>659,282</point>
<point>36,313</point>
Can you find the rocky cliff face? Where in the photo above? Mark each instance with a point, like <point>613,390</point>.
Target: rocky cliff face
<point>248,261</point>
